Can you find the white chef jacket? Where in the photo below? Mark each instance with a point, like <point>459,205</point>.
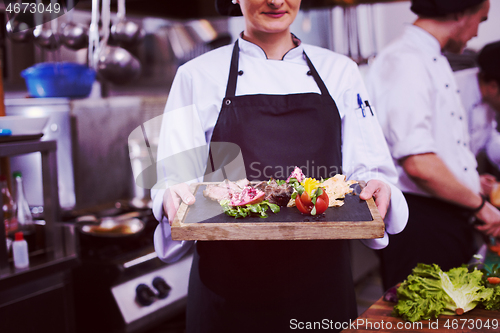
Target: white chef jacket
<point>480,115</point>
<point>418,103</point>
<point>195,100</point>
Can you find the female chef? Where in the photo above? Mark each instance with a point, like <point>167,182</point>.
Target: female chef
<point>284,104</point>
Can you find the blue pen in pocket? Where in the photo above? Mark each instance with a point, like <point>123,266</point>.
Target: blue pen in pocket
<point>361,105</point>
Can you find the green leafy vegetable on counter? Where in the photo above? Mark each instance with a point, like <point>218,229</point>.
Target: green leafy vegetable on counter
<point>258,209</point>
<point>491,277</point>
<point>429,292</point>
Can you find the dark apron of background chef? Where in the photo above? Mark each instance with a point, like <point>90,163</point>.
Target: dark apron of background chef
<point>263,286</point>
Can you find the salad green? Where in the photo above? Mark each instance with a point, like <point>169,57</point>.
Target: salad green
<point>258,209</point>
<point>429,292</point>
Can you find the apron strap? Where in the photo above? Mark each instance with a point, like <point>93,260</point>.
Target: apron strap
<point>233,73</point>
<point>315,75</point>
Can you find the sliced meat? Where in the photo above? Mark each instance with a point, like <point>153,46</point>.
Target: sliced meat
<point>225,189</point>
<point>276,194</point>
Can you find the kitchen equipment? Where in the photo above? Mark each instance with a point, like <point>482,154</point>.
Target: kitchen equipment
<point>22,125</point>
<point>121,285</point>
<point>113,227</point>
<point>18,31</point>
<point>112,63</point>
<point>117,65</point>
<point>73,35</point>
<point>124,31</point>
<point>58,128</point>
<point>59,80</point>
<point>45,35</point>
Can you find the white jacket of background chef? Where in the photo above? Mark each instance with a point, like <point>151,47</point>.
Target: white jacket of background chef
<point>419,108</point>
<point>195,100</point>
<point>480,115</point>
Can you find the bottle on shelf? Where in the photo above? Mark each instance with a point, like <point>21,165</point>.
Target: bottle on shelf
<point>20,251</point>
<point>25,221</point>
<point>8,208</point>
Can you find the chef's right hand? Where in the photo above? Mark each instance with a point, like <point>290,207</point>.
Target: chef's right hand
<point>490,215</point>
<point>172,199</point>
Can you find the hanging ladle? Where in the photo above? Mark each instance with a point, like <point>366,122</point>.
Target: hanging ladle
<point>45,34</point>
<point>17,30</point>
<point>114,63</point>
<point>74,35</point>
<point>126,32</point>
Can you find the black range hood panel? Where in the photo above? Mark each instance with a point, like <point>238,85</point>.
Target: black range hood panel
<point>195,9</point>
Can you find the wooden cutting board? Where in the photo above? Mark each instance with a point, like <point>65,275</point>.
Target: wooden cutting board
<point>204,220</point>
<point>378,319</point>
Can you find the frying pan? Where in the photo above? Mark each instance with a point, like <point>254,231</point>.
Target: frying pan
<point>111,227</point>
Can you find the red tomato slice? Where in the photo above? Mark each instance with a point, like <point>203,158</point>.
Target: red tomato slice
<point>305,198</point>
<point>325,198</point>
<point>302,208</point>
<point>321,205</point>
<point>494,280</point>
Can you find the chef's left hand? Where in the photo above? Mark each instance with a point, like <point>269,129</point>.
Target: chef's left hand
<point>381,193</point>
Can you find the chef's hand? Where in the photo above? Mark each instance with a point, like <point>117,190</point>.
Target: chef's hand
<point>172,199</point>
<point>381,193</point>
<point>490,216</point>
<point>487,183</point>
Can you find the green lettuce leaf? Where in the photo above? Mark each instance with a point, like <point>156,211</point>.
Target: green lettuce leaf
<point>429,292</point>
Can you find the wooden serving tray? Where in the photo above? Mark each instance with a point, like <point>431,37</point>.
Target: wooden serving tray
<point>204,220</point>
<point>378,318</point>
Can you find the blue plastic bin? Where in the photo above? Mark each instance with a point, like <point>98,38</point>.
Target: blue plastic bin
<point>63,79</point>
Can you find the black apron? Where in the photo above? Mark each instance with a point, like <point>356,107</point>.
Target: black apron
<point>273,286</point>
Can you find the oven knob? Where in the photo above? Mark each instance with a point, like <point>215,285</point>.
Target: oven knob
<point>144,295</point>
<point>162,286</point>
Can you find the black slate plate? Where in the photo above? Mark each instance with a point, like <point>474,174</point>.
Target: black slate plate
<point>208,211</point>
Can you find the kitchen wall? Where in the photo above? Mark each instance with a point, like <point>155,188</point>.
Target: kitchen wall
<point>377,25</point>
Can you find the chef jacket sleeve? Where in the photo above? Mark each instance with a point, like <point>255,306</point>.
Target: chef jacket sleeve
<point>493,145</point>
<point>400,90</point>
<point>181,157</point>
<point>366,155</point>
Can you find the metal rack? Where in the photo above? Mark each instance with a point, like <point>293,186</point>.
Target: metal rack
<point>48,151</point>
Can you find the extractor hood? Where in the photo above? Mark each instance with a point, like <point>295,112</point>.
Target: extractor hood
<point>195,9</point>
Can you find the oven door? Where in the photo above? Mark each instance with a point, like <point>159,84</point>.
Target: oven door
<point>155,296</point>
<point>132,295</point>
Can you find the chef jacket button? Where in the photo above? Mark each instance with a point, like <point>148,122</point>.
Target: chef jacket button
<point>435,59</point>
<point>453,113</point>
<point>447,85</point>
<point>240,72</point>
<point>458,141</point>
<point>460,117</point>
<point>309,73</point>
<point>228,101</point>
<point>465,169</point>
<point>465,144</point>
<point>458,91</point>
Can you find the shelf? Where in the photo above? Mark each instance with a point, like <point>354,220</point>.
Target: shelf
<point>48,150</point>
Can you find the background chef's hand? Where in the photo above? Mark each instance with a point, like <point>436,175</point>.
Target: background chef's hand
<point>490,215</point>
<point>487,183</point>
<point>381,193</point>
<point>172,199</point>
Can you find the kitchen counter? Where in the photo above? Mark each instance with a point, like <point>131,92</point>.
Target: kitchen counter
<point>378,319</point>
